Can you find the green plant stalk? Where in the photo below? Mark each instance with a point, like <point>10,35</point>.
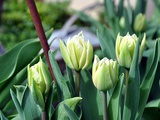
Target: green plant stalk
<point>77,83</point>
<point>104,105</point>
<point>44,115</point>
<point>126,83</point>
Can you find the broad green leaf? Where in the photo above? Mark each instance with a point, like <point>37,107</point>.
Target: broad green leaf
<point>120,8</point>
<point>30,108</point>
<point>9,108</point>
<point>27,109</point>
<point>132,96</point>
<point>17,58</point>
<point>115,101</point>
<point>109,9</point>
<point>128,21</point>
<point>18,106</point>
<point>148,78</point>
<point>62,87</point>
<point>49,101</point>
<point>60,112</point>
<point>2,117</point>
<point>106,42</point>
<point>71,80</point>
<point>151,113</point>
<point>151,110</point>
<point>20,92</point>
<point>92,101</point>
<point>5,92</point>
<point>140,7</point>
<point>71,114</point>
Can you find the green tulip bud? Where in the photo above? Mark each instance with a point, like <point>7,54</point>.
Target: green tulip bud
<point>77,53</point>
<point>140,22</point>
<point>125,47</point>
<point>104,73</point>
<point>122,22</point>
<point>39,80</point>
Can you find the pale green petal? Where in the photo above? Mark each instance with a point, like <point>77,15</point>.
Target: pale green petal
<point>102,79</point>
<point>128,58</point>
<point>142,47</point>
<point>81,34</point>
<point>89,55</point>
<point>118,42</point>
<point>83,56</point>
<point>29,75</point>
<point>73,57</point>
<point>46,75</point>
<point>37,95</point>
<point>95,65</point>
<point>78,48</point>
<point>66,55</point>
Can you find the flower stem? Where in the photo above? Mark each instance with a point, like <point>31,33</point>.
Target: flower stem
<point>77,83</point>
<point>44,115</point>
<point>40,31</point>
<point>126,83</point>
<point>104,101</point>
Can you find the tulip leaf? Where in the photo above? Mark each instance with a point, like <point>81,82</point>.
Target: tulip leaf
<point>132,95</point>
<point>60,111</point>
<point>151,111</point>
<point>148,78</point>
<point>140,7</point>
<point>17,104</point>
<point>30,108</point>
<point>49,101</point>
<point>120,8</point>
<point>91,103</point>
<point>27,110</point>
<point>107,43</point>
<point>5,93</point>
<point>128,21</point>
<point>2,117</point>
<point>71,80</point>
<point>70,113</point>
<point>15,59</point>
<point>62,87</point>
<point>115,101</point>
<point>109,9</point>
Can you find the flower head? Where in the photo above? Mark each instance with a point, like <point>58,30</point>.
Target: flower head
<point>104,73</point>
<point>77,53</point>
<point>140,22</point>
<point>125,47</point>
<point>39,81</point>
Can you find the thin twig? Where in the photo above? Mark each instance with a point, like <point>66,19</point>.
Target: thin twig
<point>40,32</point>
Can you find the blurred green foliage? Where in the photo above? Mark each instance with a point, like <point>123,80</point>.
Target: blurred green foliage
<point>17,24</point>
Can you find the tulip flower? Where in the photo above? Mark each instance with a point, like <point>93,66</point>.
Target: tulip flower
<point>125,47</point>
<point>77,53</point>
<point>140,22</point>
<point>39,80</point>
<point>122,22</point>
<point>104,73</point>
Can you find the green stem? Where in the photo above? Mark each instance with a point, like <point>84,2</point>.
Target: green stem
<point>44,115</point>
<point>126,83</point>
<point>77,83</point>
<point>104,101</point>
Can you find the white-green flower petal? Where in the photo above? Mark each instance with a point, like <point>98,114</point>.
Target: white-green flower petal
<point>89,55</point>
<point>66,55</point>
